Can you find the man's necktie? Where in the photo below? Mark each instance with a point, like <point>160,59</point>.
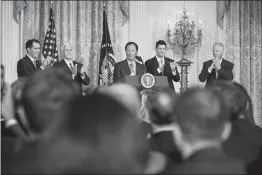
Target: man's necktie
<point>162,66</point>
<point>71,67</point>
<point>34,62</point>
<point>132,68</point>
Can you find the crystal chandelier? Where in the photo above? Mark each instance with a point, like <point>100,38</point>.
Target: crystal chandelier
<point>184,38</point>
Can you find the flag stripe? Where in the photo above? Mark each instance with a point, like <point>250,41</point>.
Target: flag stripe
<point>50,47</point>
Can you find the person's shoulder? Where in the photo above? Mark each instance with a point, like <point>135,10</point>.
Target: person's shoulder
<point>208,61</point>
<point>228,62</point>
<point>121,62</point>
<point>78,63</point>
<point>25,58</point>
<point>150,60</point>
<point>169,60</point>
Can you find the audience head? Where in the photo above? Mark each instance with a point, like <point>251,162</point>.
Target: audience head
<point>17,89</point>
<point>67,51</point>
<point>245,107</point>
<point>218,49</point>
<point>201,115</point>
<point>160,48</point>
<point>233,99</point>
<point>160,106</point>
<point>131,49</point>
<point>96,134</point>
<point>33,48</point>
<point>125,94</point>
<point>44,94</point>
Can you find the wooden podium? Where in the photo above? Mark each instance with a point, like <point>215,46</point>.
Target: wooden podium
<point>160,82</point>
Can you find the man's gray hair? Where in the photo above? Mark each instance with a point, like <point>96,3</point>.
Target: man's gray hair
<point>219,44</point>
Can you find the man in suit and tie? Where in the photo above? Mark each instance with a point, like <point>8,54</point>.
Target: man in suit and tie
<point>163,66</point>
<point>73,68</point>
<point>130,66</point>
<point>30,64</point>
<point>217,68</point>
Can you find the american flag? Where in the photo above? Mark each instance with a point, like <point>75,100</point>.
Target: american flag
<point>107,62</point>
<point>50,48</point>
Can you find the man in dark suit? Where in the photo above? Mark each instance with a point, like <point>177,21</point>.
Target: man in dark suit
<point>162,66</point>
<point>73,68</point>
<point>204,124</point>
<point>217,68</point>
<point>130,66</point>
<point>30,64</point>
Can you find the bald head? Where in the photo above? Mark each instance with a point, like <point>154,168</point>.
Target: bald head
<point>125,94</point>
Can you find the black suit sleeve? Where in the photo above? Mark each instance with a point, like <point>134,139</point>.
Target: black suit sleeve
<point>227,72</point>
<point>86,80</point>
<point>117,74</point>
<point>22,69</point>
<point>204,73</point>
<point>147,65</point>
<point>176,77</point>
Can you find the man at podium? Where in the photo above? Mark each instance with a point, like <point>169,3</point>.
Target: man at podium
<point>162,66</point>
<point>130,66</point>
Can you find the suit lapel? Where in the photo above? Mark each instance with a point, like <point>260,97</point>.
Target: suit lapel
<point>65,65</point>
<point>155,66</point>
<point>126,68</point>
<point>32,66</point>
<point>139,69</point>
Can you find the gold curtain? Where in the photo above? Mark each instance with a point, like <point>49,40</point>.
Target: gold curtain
<point>80,23</point>
<point>244,47</point>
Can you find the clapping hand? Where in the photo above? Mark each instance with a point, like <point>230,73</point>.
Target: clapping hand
<point>217,64</point>
<point>46,62</point>
<point>173,67</point>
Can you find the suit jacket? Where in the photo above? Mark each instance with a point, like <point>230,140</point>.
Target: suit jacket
<point>77,78</point>
<point>225,72</point>
<point>26,68</point>
<point>122,69</point>
<point>152,65</point>
<point>208,161</point>
<point>244,142</point>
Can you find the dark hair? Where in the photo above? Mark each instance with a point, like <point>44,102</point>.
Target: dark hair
<point>201,114</point>
<point>233,99</point>
<point>160,42</point>
<point>129,43</point>
<point>44,94</point>
<point>160,111</point>
<point>244,103</point>
<point>29,43</point>
<point>109,137</point>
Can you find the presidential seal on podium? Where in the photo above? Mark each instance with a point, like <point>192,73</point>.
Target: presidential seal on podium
<point>148,80</point>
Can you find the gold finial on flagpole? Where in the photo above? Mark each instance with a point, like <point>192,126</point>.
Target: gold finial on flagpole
<point>104,5</point>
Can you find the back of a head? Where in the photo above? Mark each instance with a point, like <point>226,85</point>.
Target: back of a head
<point>233,99</point>
<point>201,114</point>
<point>160,106</point>
<point>44,94</point>
<point>17,88</point>
<point>125,94</point>
<point>98,135</point>
<point>245,107</point>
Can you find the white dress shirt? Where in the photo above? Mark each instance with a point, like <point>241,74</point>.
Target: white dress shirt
<point>134,66</point>
<point>159,62</point>
<point>68,62</point>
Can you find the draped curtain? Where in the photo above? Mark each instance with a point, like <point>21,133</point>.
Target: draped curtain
<point>79,23</point>
<point>244,48</point>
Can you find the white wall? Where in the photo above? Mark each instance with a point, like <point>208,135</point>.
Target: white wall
<point>9,41</point>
